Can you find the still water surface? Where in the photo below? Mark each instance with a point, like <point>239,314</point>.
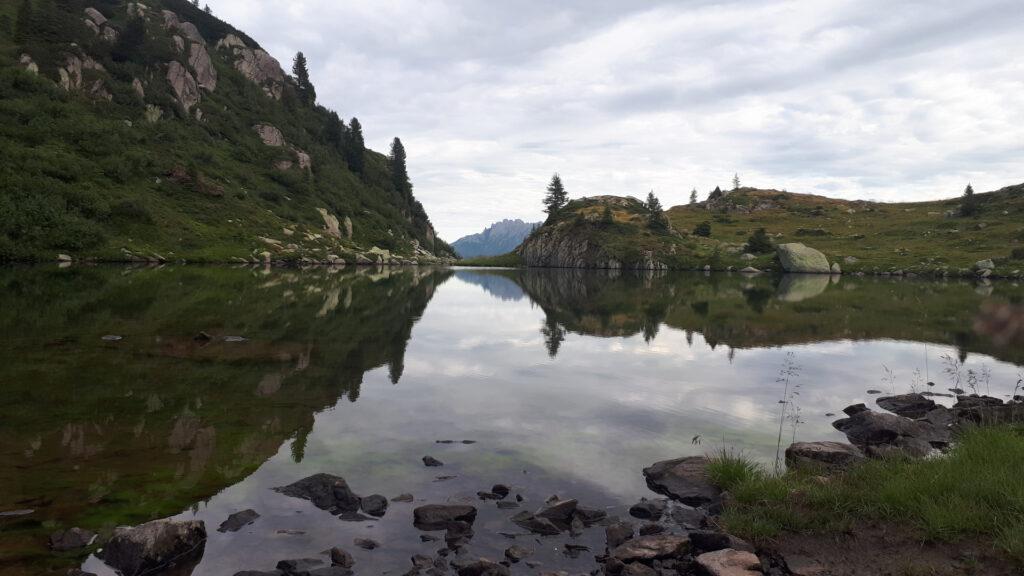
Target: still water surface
<point>112,412</point>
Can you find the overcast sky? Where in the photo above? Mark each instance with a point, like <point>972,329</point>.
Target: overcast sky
<point>879,99</point>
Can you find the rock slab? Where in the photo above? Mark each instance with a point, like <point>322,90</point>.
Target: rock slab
<point>152,546</point>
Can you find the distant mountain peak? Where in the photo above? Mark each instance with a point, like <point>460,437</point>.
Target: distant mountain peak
<point>498,238</point>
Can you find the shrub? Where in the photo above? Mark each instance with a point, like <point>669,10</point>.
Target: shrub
<point>1017,254</point>
<point>759,242</point>
<point>703,229</point>
<point>130,212</point>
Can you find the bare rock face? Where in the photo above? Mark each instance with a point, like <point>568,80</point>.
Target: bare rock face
<point>305,162</point>
<point>270,135</point>
<point>179,44</point>
<point>29,64</point>
<point>139,90</point>
<point>331,226</point>
<point>191,32</point>
<point>137,10</point>
<point>171,20</point>
<point>92,26</point>
<point>151,546</point>
<point>153,113</point>
<point>95,16</point>
<point>185,88</point>
<point>199,60</point>
<point>554,249</point>
<point>348,227</point>
<point>71,73</point>
<point>729,562</point>
<point>256,65</point>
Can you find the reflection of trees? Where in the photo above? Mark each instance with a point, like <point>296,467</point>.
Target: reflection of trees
<point>554,335</point>
<point>196,414</point>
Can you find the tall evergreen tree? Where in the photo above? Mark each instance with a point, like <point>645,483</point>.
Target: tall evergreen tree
<point>969,205</point>
<point>556,198</point>
<point>355,147</point>
<point>715,194</point>
<point>305,89</point>
<point>399,173</point>
<point>736,181</point>
<point>25,21</point>
<point>655,214</point>
<point>693,196</point>
<point>334,130</point>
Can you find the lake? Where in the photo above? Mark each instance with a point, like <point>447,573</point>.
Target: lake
<point>130,394</point>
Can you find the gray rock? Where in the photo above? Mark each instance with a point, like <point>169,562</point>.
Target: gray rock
<point>855,408</point>
<point>71,539</point>
<point>325,491</point>
<point>836,268</point>
<point>152,546</point>
<point>987,264</point>
<point>186,90</point>
<point>536,524</point>
<point>589,516</point>
<point>907,405</point>
<point>483,567</point>
<point>440,516</point>
<point>366,543</point>
<point>299,565</point>
<point>974,401</point>
<point>796,257</point>
<point>517,553</point>
<point>682,479</point>
<point>638,569</point>
<point>873,429</point>
<point>403,498</point>
<point>833,455</point>
<point>689,517</point>
<point>238,520</point>
<point>729,562</point>
<point>648,509</point>
<point>431,461</point>
<point>617,533</point>
<point>341,557</point>
<point>374,505</point>
<point>559,511</point>
<point>501,490</point>
<point>647,548</point>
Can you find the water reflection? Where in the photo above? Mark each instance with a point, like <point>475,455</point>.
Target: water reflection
<point>227,382</point>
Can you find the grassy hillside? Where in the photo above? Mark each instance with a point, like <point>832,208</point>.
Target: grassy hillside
<point>920,237</point>
<point>87,174</point>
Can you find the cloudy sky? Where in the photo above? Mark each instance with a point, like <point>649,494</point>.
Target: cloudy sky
<point>879,99</point>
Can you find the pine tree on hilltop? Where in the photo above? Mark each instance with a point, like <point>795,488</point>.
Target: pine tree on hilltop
<point>305,89</point>
<point>399,172</point>
<point>655,213</point>
<point>556,198</point>
<point>969,205</point>
<point>693,196</point>
<point>736,181</point>
<point>355,147</point>
<point>715,194</point>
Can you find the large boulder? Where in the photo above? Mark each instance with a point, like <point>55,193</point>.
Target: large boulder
<point>325,491</point>
<point>185,88</point>
<point>907,405</point>
<point>822,455</point>
<point>152,546</point>
<point>199,60</point>
<point>683,479</point>
<point>796,257</point>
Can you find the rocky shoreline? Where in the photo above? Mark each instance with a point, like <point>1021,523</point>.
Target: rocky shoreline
<point>677,534</point>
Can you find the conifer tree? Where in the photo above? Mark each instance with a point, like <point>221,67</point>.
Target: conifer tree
<point>655,214</point>
<point>759,242</point>
<point>715,194</point>
<point>736,181</point>
<point>969,205</point>
<point>556,198</point>
<point>399,172</point>
<point>693,196</point>
<point>355,147</point>
<point>305,89</point>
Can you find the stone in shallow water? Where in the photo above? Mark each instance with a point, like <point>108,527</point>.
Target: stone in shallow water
<point>238,520</point>
<point>483,567</point>
<point>559,510</point>
<point>536,524</point>
<point>366,543</point>
<point>325,491</point>
<point>682,479</point>
<point>341,557</point>
<point>299,565</point>
<point>647,548</point>
<point>403,498</point>
<point>907,405</point>
<point>729,562</point>
<point>616,534</point>
<point>517,553</point>
<point>440,516</point>
<point>374,505</point>
<point>431,461</point>
<point>648,509</point>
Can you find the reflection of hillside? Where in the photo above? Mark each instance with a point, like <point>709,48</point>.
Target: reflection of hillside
<point>98,433</point>
<point>745,312</point>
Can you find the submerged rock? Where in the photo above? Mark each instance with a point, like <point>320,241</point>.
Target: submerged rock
<point>238,520</point>
<point>431,461</point>
<point>325,491</point>
<point>822,454</point>
<point>152,546</point>
<point>536,524</point>
<point>374,505</point>
<point>441,516</point>
<point>70,539</point>
<point>559,510</point>
<point>682,479</point>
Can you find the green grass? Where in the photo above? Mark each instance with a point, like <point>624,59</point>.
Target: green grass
<point>510,260</point>
<point>975,491</point>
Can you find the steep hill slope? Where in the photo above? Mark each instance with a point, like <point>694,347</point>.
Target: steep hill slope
<point>498,238</point>
<point>923,237</point>
<point>152,130</point>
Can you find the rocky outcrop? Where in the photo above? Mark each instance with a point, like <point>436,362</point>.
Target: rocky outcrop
<point>29,64</point>
<point>138,89</point>
<point>137,10</point>
<point>199,60</point>
<point>907,405</point>
<point>152,546</point>
<point>554,249</point>
<point>272,136</point>
<point>878,433</point>
<point>331,225</point>
<point>186,90</point>
<point>796,257</point>
<point>256,65</point>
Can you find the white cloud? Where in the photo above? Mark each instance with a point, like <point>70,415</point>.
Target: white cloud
<point>849,98</point>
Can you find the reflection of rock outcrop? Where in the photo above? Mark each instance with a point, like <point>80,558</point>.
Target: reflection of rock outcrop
<point>753,312</point>
<point>198,414</point>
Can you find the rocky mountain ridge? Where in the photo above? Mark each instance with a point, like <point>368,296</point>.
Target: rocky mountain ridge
<point>498,238</point>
